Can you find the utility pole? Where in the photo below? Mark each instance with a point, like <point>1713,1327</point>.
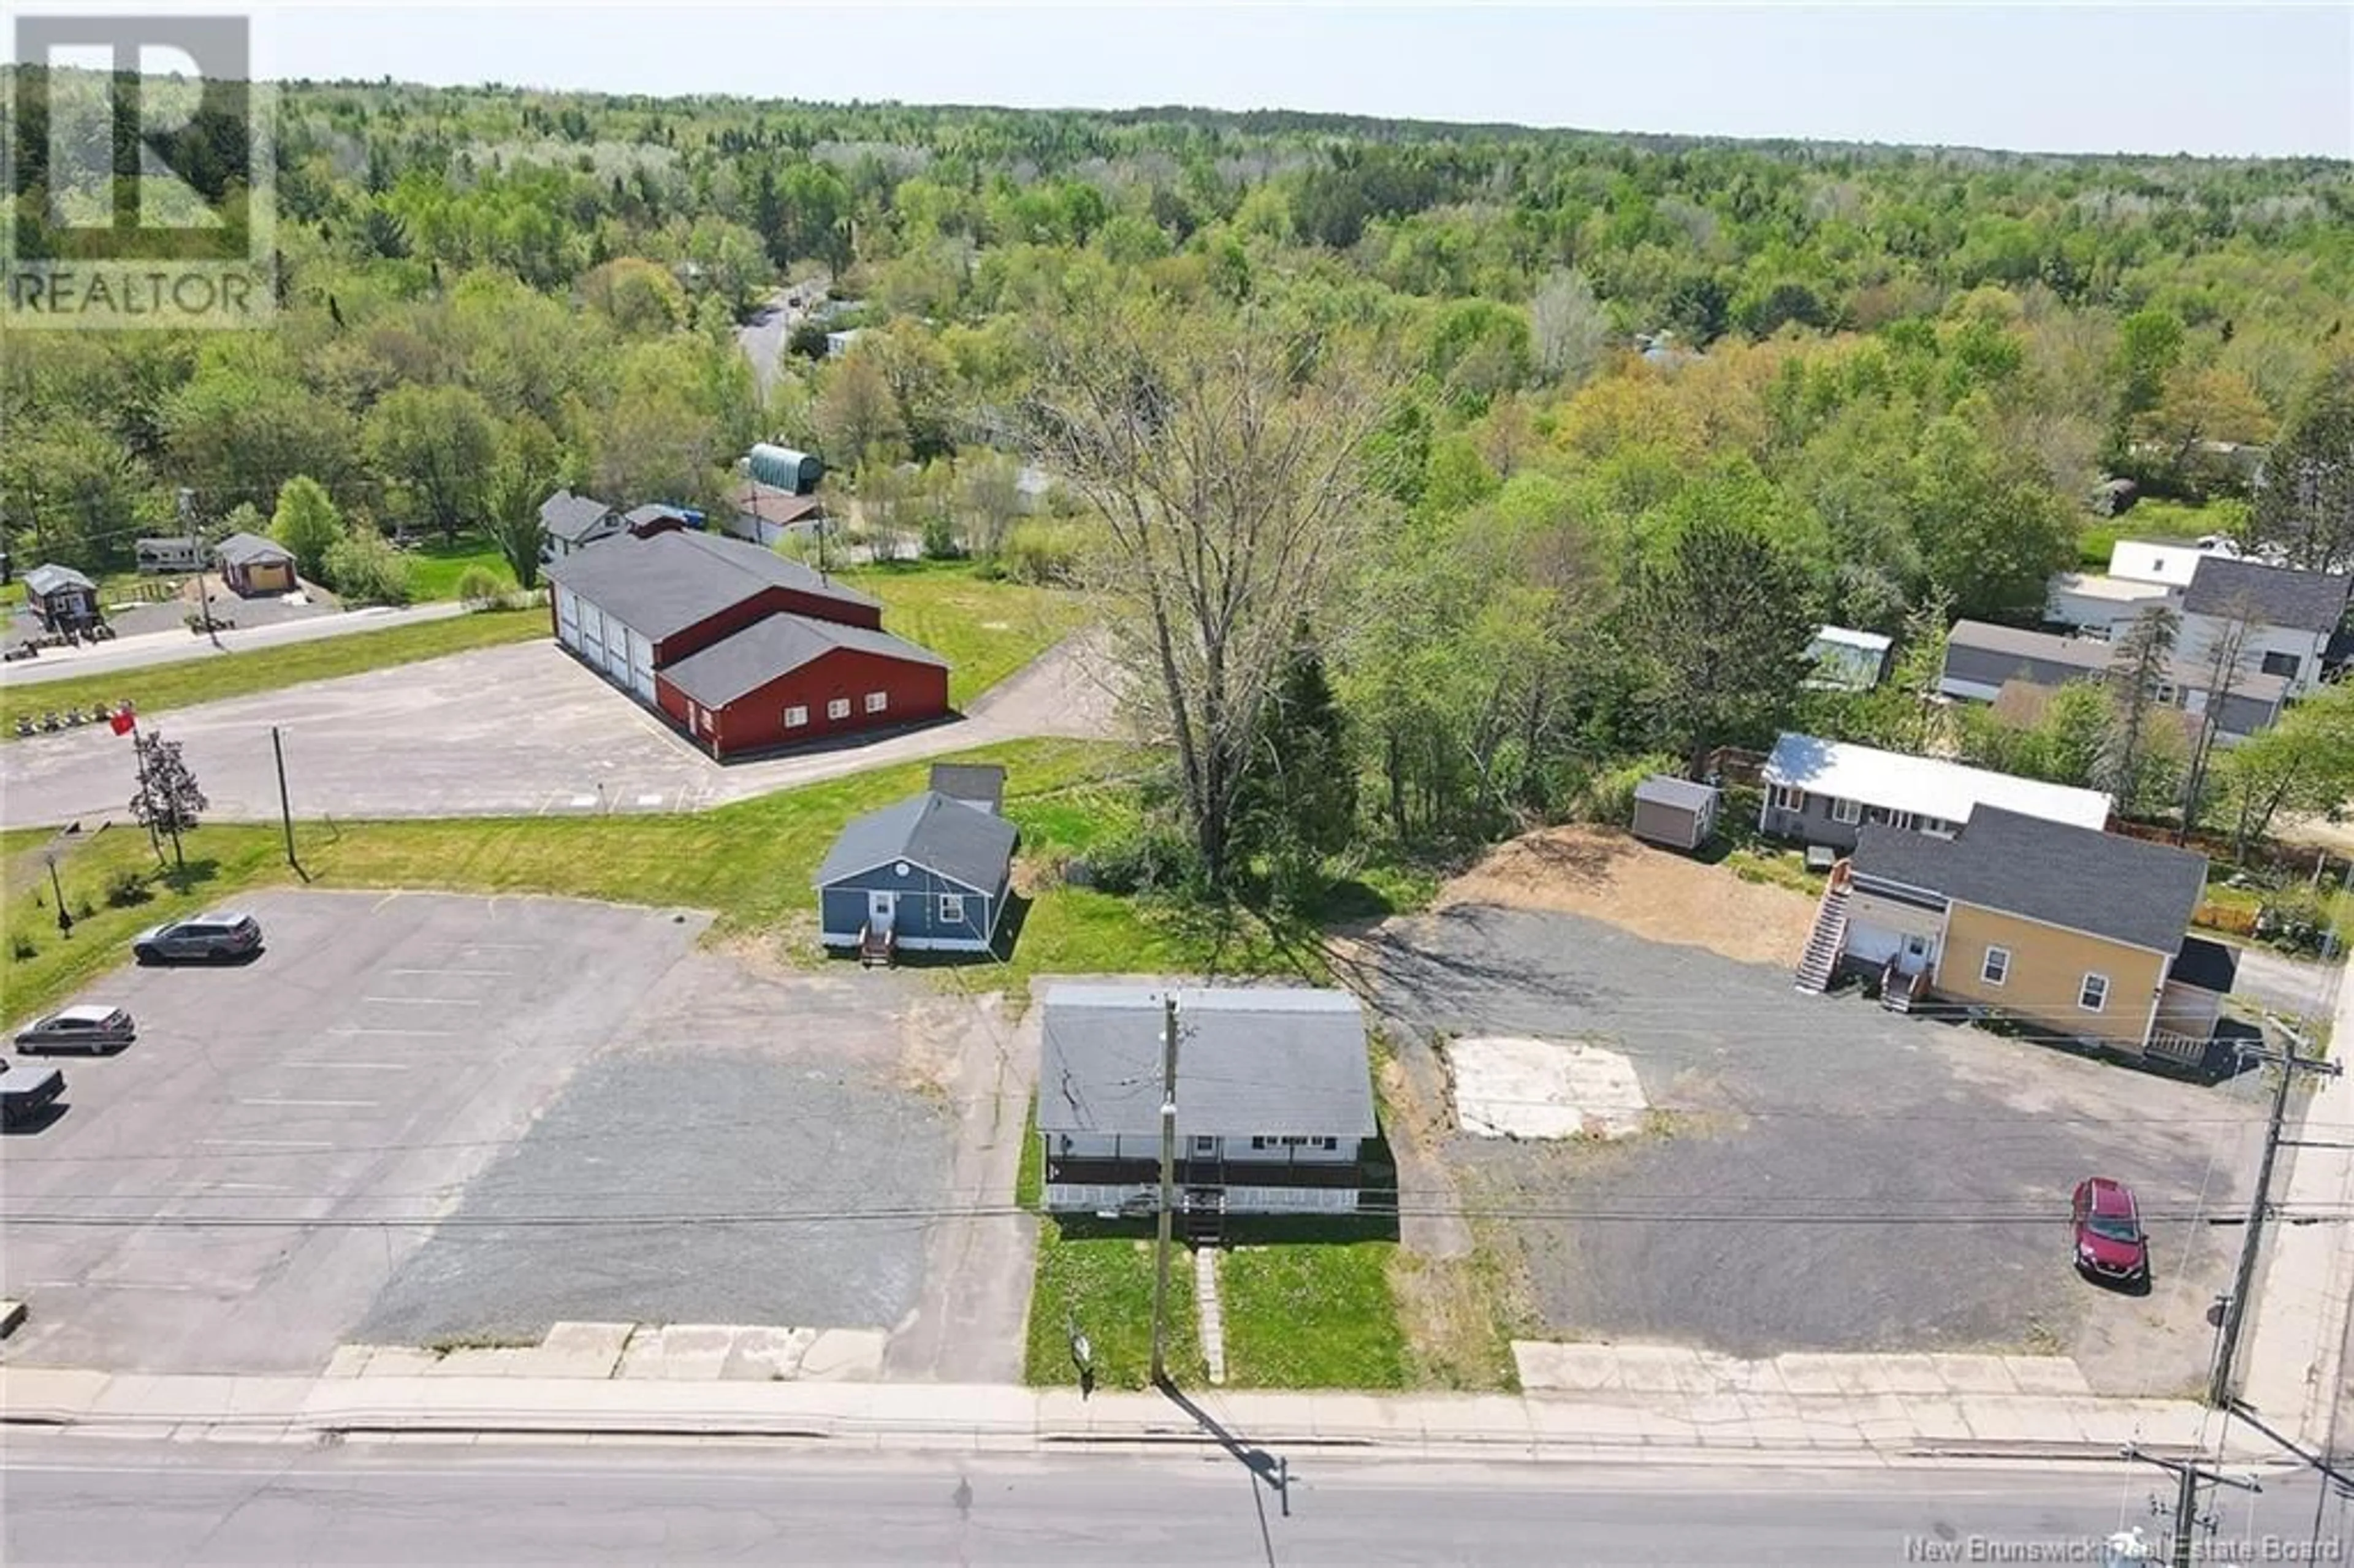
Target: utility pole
<point>285,807</point>
<point>2188,1474</point>
<point>1168,1187</point>
<point>2235,1311</point>
<point>187,505</point>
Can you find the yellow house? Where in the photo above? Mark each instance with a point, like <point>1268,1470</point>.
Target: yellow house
<point>2081,933</point>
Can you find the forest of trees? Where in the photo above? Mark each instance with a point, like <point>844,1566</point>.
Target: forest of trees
<point>1638,410</point>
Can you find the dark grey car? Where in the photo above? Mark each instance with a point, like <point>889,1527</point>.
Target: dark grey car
<point>92,1029</point>
<point>223,934</point>
<point>23,1096</point>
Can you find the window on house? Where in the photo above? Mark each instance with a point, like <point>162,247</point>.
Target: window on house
<point>1295,1142</point>
<point>2167,693</point>
<point>1330,1145</point>
<point>1789,798</point>
<point>1259,1144</point>
<point>2094,995</point>
<point>952,908</point>
<point>1848,811</point>
<point>1937,827</point>
<point>1901,820</point>
<point>2283,664</point>
<point>839,708</point>
<point>796,716</point>
<point>877,700</point>
<point>1876,815</point>
<point>1996,968</point>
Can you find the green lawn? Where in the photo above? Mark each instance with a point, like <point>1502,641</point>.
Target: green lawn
<point>434,567</point>
<point>986,630</point>
<point>1029,1176</point>
<point>1101,1274</point>
<point>2159,522</point>
<point>1313,1313</point>
<point>748,863</point>
<point>207,678</point>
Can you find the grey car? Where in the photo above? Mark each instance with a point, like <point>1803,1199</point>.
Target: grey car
<point>24,1095</point>
<point>226,934</point>
<point>92,1029</point>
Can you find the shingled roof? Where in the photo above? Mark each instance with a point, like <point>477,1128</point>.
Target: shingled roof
<point>2301,601</point>
<point>662,584</point>
<point>1250,1062</point>
<point>2127,890</point>
<point>776,645</point>
<point>969,846</point>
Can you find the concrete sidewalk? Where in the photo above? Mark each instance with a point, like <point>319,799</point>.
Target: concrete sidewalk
<point>969,1417</point>
<point>2292,1365</point>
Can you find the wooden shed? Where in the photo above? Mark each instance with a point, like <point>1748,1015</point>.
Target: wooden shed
<point>1675,813</point>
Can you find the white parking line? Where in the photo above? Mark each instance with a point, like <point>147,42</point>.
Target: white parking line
<point>243,1187</point>
<point>319,1104</point>
<point>584,800</point>
<point>650,800</point>
<point>259,1143</point>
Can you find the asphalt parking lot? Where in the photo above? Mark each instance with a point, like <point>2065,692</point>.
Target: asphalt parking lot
<point>1827,1176</point>
<point>424,1116</point>
<point>518,730</point>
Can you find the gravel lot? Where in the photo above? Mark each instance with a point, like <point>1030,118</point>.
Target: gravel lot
<point>730,1092</point>
<point>1829,1176</point>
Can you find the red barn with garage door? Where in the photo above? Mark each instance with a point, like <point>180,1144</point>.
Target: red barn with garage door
<point>742,649</point>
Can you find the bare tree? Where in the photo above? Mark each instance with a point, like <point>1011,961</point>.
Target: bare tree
<point>168,798</point>
<point>2224,666</point>
<point>1225,458</point>
<point>1569,326</point>
<point>2144,659</point>
<point>989,495</point>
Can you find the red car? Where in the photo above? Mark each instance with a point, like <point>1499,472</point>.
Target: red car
<point>2109,1240</point>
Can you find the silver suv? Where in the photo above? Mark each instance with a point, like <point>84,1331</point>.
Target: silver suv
<point>223,934</point>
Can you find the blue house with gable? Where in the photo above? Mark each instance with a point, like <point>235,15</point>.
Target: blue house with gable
<point>930,873</point>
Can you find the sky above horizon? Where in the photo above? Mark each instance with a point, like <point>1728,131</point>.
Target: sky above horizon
<point>2258,79</point>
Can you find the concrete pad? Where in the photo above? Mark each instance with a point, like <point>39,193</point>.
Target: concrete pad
<point>399,1360</point>
<point>1659,1369</point>
<point>1811,1374</point>
<point>1777,1423</point>
<point>1721,1420</point>
<point>1860,1376</point>
<point>349,1361</point>
<point>844,1355</point>
<point>678,1352</point>
<point>2047,1375</point>
<point>1515,1086</point>
<point>1754,1378</point>
<point>767,1355</point>
<point>57,1392</point>
<point>1975,1374</point>
<point>589,1339</point>
<point>1569,1368</point>
<point>1913,1375</point>
<point>1621,1425</point>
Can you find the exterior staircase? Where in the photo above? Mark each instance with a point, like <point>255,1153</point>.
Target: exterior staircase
<point>1828,938</point>
<point>873,948</point>
<point>1901,992</point>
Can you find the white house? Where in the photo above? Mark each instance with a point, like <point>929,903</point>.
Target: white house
<point>2168,566</point>
<point>2292,617</point>
<point>2102,605</point>
<point>1275,1100</point>
<point>573,523</point>
<point>1823,792</point>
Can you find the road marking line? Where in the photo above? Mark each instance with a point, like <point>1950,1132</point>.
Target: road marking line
<point>404,1033</point>
<point>428,1000</point>
<point>584,800</point>
<point>448,972</point>
<point>353,1066</point>
<point>345,1105</point>
<point>140,1284</point>
<point>242,1187</point>
<point>650,800</point>
<point>261,1143</point>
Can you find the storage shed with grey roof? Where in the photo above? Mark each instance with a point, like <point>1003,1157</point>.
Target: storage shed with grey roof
<point>929,872</point>
<point>1275,1103</point>
<point>1674,811</point>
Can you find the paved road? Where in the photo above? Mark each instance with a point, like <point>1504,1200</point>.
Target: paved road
<point>175,647</point>
<point>2298,987</point>
<point>89,1500</point>
<point>519,730</point>
<point>763,338</point>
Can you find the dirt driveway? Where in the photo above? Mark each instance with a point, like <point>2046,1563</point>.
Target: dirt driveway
<point>1652,892</point>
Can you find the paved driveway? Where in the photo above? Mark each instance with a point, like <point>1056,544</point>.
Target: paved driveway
<point>2298,988</point>
<point>515,730</point>
<point>1829,1176</point>
<point>136,650</point>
